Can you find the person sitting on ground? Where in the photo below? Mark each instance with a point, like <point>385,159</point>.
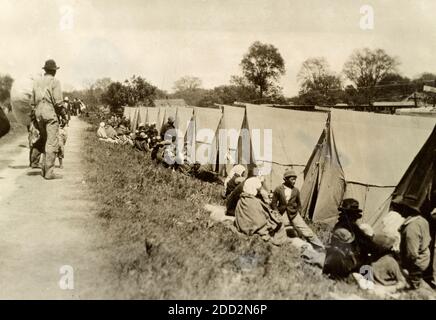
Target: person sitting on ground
<point>252,215</point>
<point>235,195</point>
<point>355,244</point>
<point>286,200</point>
<point>341,259</point>
<point>123,138</point>
<point>414,246</point>
<point>153,135</point>
<point>110,132</point>
<point>101,132</point>
<point>168,129</point>
<point>349,216</point>
<point>102,135</point>
<point>202,173</point>
<point>141,142</point>
<point>386,270</point>
<point>235,177</point>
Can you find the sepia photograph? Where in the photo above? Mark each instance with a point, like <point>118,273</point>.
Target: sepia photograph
<point>235,152</point>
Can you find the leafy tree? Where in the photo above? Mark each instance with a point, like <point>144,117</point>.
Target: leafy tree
<point>262,66</point>
<point>140,91</point>
<point>366,68</point>
<point>131,92</point>
<point>319,85</point>
<point>394,87</point>
<point>116,95</point>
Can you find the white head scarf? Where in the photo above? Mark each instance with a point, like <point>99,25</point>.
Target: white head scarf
<point>252,186</point>
<point>238,169</point>
<point>102,124</point>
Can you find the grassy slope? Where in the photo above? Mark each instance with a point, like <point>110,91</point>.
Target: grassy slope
<point>165,247</point>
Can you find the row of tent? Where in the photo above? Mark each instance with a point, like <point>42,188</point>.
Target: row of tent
<point>336,154</point>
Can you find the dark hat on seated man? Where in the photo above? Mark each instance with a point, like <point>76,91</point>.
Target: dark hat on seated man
<point>350,205</point>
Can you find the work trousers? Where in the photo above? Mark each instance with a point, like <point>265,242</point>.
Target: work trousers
<point>35,154</point>
<point>48,126</point>
<point>303,230</point>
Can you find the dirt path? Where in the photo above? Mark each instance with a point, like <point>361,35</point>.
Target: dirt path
<point>45,225</point>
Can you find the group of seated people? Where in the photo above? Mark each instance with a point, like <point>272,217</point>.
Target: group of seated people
<point>398,259</point>
<point>161,145</point>
<point>271,215</point>
<point>395,260</point>
<point>116,130</point>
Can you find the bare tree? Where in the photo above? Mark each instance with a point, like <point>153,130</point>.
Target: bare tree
<point>187,83</point>
<point>318,82</point>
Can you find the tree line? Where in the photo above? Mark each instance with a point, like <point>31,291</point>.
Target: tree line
<point>367,76</point>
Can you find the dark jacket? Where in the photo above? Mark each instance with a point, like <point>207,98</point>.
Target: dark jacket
<point>231,185</point>
<point>233,198</point>
<point>279,203</point>
<point>363,246</point>
<point>167,126</point>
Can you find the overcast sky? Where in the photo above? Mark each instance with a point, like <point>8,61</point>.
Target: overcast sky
<point>164,40</point>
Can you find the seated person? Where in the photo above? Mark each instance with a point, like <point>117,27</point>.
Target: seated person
<point>415,246</point>
<point>252,215</point>
<point>355,243</point>
<point>233,198</point>
<point>110,132</point>
<point>202,173</point>
<point>141,142</point>
<point>341,258</point>
<point>286,200</point>
<point>234,178</point>
<point>386,270</point>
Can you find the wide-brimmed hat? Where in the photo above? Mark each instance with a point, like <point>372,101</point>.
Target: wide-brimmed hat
<point>343,235</point>
<point>289,173</point>
<point>50,65</point>
<point>350,205</point>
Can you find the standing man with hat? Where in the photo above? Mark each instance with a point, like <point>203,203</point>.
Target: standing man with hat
<point>47,97</point>
<point>286,199</point>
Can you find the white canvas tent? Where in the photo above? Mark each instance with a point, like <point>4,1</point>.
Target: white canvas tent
<point>183,118</point>
<point>160,117</point>
<point>363,156</point>
<point>152,115</point>
<point>228,137</point>
<point>294,135</point>
<point>142,117</point>
<point>134,119</point>
<point>204,148</point>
